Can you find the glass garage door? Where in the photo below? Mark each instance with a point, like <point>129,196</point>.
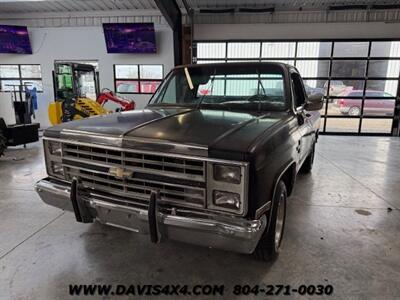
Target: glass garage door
<point>358,79</point>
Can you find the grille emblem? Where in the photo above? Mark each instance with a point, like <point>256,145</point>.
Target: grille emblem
<point>120,172</point>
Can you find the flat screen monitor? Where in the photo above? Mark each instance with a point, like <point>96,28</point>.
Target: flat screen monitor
<point>130,37</point>
<point>14,39</point>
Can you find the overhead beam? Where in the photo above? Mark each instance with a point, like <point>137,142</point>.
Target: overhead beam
<point>187,7</point>
<point>172,14</point>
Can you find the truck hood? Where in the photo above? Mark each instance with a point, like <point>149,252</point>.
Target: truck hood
<point>174,130</point>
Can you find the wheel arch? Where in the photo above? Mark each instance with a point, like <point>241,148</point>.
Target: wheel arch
<point>288,176</point>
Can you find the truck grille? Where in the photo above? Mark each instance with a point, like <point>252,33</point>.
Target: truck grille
<point>180,181</point>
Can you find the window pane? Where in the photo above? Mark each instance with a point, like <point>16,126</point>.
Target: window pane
<point>342,125</point>
<point>211,50</point>
<point>5,85</point>
<point>87,86</point>
<point>346,88</point>
<point>278,50</point>
<point>126,71</point>
<point>38,84</point>
<point>384,68</point>
<point>382,88</point>
<point>350,49</point>
<point>243,50</point>
<point>313,68</point>
<point>377,125</point>
<point>379,107</point>
<point>385,49</point>
<point>127,86</point>
<point>9,71</point>
<point>149,87</point>
<point>345,106</point>
<point>314,49</point>
<point>31,71</point>
<point>314,87</point>
<point>151,71</point>
<point>348,68</point>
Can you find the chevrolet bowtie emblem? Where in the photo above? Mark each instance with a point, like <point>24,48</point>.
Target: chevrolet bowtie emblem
<point>120,172</point>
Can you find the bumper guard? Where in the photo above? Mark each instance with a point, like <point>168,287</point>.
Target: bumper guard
<point>210,230</point>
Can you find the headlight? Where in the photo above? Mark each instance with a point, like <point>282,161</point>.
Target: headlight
<point>227,186</point>
<point>226,200</point>
<point>225,173</point>
<point>54,148</point>
<point>53,156</point>
<point>57,168</point>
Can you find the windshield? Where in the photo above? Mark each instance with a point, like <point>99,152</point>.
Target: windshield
<point>254,86</point>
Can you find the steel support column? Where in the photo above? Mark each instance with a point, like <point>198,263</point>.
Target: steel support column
<point>173,16</point>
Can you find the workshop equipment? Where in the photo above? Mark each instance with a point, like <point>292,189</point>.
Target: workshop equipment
<point>23,131</point>
<point>76,94</point>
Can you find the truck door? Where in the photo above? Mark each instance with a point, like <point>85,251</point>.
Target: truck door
<point>305,124</point>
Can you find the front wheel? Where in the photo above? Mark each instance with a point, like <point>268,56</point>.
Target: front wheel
<point>269,246</point>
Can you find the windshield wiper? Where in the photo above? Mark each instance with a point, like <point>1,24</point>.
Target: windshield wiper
<point>260,84</point>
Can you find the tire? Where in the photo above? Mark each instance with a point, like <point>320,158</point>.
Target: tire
<point>309,162</point>
<point>354,111</point>
<point>269,246</point>
<point>3,144</point>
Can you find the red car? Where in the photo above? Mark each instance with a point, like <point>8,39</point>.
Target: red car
<point>372,106</point>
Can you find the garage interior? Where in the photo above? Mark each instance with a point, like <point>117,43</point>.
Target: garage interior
<point>343,219</point>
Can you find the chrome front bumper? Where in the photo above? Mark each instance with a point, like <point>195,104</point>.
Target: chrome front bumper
<point>215,231</point>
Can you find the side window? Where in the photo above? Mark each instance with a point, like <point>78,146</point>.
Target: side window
<point>298,90</point>
<point>14,76</point>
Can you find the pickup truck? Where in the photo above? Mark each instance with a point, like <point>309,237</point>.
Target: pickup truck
<point>210,161</point>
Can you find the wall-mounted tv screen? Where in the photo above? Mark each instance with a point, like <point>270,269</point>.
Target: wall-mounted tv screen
<point>130,37</point>
<point>14,39</point>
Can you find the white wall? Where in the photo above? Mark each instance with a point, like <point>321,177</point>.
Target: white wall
<point>296,31</point>
<point>85,43</point>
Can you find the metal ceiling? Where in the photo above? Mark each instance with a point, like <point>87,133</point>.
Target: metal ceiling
<point>282,4</point>
<point>45,6</point>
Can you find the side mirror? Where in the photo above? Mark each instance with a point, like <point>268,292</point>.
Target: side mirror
<point>314,102</point>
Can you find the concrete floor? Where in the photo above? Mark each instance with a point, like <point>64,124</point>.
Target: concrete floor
<point>339,231</point>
